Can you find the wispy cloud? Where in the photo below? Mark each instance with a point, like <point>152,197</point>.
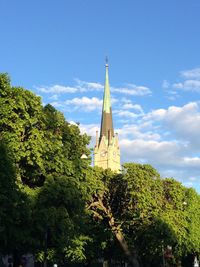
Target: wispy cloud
<point>56,104</point>
<point>79,86</point>
<point>84,86</point>
<point>170,90</point>
<point>132,89</point>
<point>129,111</point>
<point>183,123</point>
<point>85,103</point>
<point>54,97</point>
<point>189,81</point>
<point>126,113</point>
<point>90,129</point>
<point>135,107</point>
<point>188,85</point>
<point>57,89</point>
<point>165,84</point>
<point>191,74</point>
<point>133,132</point>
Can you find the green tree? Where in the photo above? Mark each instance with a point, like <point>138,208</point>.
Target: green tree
<point>21,129</point>
<point>46,158</point>
<point>42,141</point>
<point>126,202</point>
<point>142,211</point>
<point>191,245</point>
<point>58,217</point>
<point>192,207</point>
<point>14,212</point>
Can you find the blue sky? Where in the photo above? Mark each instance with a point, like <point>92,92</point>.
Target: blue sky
<point>57,49</point>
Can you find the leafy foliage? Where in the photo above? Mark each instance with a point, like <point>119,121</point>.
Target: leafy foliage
<point>46,178</point>
<point>41,140</point>
<point>15,209</point>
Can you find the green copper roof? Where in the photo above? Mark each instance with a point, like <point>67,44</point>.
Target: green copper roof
<point>106,98</point>
<point>106,119</point>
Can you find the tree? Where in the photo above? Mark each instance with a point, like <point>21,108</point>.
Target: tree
<point>41,140</point>
<point>21,128</point>
<point>46,155</point>
<point>58,215</point>
<point>192,209</point>
<point>191,246</point>
<point>143,212</point>
<point>125,202</point>
<point>14,212</point>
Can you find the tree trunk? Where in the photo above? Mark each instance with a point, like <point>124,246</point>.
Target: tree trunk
<point>16,259</point>
<point>132,257</point>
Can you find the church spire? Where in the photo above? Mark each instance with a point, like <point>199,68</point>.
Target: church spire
<point>106,118</point>
<point>106,150</point>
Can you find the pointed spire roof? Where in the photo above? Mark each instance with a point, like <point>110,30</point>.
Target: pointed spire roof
<point>106,98</point>
<point>106,119</point>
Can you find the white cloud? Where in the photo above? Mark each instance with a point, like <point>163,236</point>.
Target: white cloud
<point>54,97</point>
<point>79,86</point>
<point>188,85</point>
<point>84,86</point>
<point>193,73</point>
<point>165,84</point>
<point>183,123</point>
<point>151,151</point>
<point>133,131</point>
<point>145,142</point>
<point>125,113</point>
<point>56,104</point>
<point>192,178</point>
<point>172,97</point>
<point>192,162</point>
<point>126,100</point>
<point>85,103</point>
<point>190,81</point>
<point>167,156</point>
<point>58,89</point>
<point>88,86</point>
<point>132,89</point>
<point>136,107</point>
<point>157,115</point>
<point>171,94</point>
<point>114,100</point>
<point>90,129</point>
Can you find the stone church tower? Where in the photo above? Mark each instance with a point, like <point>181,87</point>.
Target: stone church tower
<point>106,150</point>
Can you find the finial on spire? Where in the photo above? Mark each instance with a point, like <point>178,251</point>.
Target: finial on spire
<point>106,61</point>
